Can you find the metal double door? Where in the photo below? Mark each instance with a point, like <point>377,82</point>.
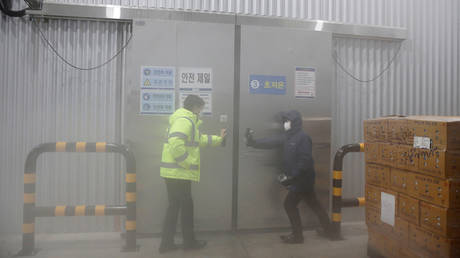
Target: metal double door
<point>233,52</point>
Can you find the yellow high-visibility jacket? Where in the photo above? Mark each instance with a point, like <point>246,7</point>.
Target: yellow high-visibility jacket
<point>181,152</point>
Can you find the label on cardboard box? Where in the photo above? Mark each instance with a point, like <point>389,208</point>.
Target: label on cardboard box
<point>422,142</point>
<point>388,208</point>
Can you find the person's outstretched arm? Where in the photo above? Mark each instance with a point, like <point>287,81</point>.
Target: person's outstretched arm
<point>266,143</point>
<point>213,140</point>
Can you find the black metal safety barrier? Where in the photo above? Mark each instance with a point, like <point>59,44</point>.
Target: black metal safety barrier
<point>337,202</point>
<point>31,212</point>
<point>353,202</point>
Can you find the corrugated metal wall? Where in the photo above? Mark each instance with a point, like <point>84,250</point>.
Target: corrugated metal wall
<point>44,100</point>
<point>423,80</point>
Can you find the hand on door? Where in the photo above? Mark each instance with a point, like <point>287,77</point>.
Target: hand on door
<point>223,133</point>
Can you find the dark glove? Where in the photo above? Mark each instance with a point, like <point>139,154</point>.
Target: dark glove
<point>249,137</point>
<point>224,141</point>
<point>285,180</point>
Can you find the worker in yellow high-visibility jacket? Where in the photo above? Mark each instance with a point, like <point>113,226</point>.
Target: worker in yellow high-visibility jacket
<point>180,165</point>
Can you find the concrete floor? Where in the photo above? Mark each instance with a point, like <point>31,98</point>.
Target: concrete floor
<point>264,245</point>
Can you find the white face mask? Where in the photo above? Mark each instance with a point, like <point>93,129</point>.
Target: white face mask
<point>287,125</point>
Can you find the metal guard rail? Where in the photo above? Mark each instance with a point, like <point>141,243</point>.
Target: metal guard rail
<point>31,212</point>
<point>337,201</point>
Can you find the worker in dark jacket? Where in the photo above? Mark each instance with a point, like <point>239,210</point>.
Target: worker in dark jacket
<point>299,172</point>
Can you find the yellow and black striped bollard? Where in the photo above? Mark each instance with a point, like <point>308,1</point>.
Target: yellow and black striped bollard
<point>337,176</point>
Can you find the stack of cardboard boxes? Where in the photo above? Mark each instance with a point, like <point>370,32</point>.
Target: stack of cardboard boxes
<point>413,186</point>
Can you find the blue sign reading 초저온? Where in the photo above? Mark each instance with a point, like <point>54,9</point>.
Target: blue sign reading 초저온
<point>267,84</point>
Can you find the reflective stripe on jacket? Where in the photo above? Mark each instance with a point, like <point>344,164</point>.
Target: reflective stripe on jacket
<point>181,151</point>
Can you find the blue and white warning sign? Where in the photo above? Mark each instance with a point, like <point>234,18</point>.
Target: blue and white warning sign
<point>156,77</point>
<point>154,101</point>
<point>267,84</point>
<point>157,85</point>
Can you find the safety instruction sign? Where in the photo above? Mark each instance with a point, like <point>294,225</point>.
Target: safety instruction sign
<point>155,101</point>
<point>155,77</point>
<point>267,84</point>
<point>195,78</point>
<point>157,90</point>
<point>305,82</point>
<point>196,81</point>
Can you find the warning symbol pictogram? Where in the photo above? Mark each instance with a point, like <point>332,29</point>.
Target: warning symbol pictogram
<point>147,83</point>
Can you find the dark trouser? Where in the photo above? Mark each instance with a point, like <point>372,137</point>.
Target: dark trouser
<point>180,199</point>
<point>290,205</point>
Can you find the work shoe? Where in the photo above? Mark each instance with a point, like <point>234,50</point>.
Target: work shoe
<point>292,239</point>
<point>197,244</point>
<point>167,248</point>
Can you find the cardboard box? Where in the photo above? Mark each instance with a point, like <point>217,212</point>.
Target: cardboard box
<point>377,175</point>
<point>371,152</point>
<point>409,209</point>
<point>399,131</point>
<point>442,221</point>
<point>376,240</point>
<point>426,242</point>
<point>372,216</point>
<point>388,246</point>
<point>443,131</point>
<point>388,154</point>
<point>407,157</point>
<point>410,253</point>
<point>401,231</point>
<point>443,247</point>
<point>439,163</point>
<point>442,192</point>
<point>391,247</point>
<point>373,221</point>
<point>375,130</point>
<point>418,238</point>
<point>373,197</point>
<point>401,181</point>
